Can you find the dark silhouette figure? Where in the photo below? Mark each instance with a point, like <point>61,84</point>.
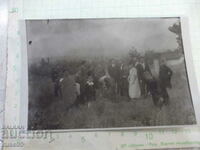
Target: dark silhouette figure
<point>114,72</point>
<point>55,76</point>
<point>123,83</point>
<point>141,68</point>
<point>165,74</point>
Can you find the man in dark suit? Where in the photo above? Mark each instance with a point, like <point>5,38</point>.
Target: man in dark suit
<point>165,74</point>
<point>141,68</point>
<point>114,72</point>
<point>123,86</point>
<point>56,76</point>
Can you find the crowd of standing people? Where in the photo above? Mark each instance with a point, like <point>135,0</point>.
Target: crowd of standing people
<point>136,79</point>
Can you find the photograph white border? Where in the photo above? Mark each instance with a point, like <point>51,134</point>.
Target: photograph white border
<point>189,67</point>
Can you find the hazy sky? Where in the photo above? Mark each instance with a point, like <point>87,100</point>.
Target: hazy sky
<point>97,36</point>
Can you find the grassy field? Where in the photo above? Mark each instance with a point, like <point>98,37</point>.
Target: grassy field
<point>49,112</point>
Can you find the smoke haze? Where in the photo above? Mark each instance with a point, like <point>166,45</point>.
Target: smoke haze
<point>94,37</point>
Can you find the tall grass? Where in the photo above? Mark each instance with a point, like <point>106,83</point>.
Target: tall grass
<point>49,112</point>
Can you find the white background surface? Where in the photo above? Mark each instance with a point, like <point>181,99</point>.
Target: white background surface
<point>51,9</point>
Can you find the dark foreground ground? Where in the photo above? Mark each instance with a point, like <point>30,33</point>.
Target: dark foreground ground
<point>48,112</point>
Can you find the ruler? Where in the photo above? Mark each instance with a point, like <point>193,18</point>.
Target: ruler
<point>3,60</point>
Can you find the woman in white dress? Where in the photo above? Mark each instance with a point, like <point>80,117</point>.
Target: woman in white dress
<point>134,88</point>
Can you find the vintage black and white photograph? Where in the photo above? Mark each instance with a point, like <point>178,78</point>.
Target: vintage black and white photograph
<point>107,74</point>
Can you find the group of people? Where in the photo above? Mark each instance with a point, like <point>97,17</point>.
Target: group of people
<point>136,79</point>
<point>142,78</point>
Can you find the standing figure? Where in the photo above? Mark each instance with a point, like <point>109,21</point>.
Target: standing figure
<point>140,71</point>
<point>90,91</point>
<point>165,75</point>
<point>134,88</point>
<point>151,78</point>
<point>123,86</point>
<point>56,78</point>
<point>81,78</point>
<point>58,87</point>
<point>77,93</point>
<point>113,70</point>
<point>99,71</point>
<point>68,88</point>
